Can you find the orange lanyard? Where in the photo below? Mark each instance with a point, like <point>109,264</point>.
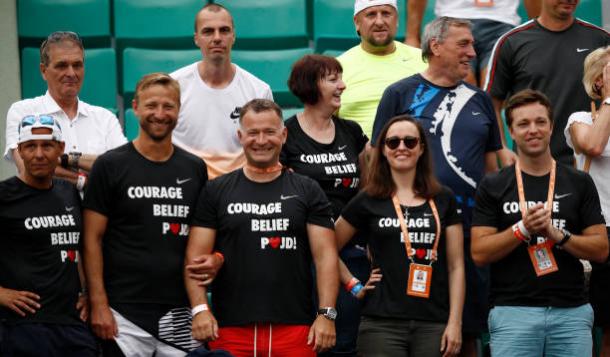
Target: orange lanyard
<point>549,199</point>
<point>405,232</point>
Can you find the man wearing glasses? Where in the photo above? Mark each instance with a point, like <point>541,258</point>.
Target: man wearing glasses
<point>41,311</point>
<point>88,130</point>
<point>462,132</point>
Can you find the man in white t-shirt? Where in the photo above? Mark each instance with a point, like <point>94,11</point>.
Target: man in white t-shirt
<point>88,130</point>
<point>212,93</point>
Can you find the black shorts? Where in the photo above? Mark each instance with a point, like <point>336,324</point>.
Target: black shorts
<point>46,339</point>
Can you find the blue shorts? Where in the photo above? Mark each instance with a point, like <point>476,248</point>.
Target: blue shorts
<point>49,340</point>
<point>486,33</point>
<point>518,331</point>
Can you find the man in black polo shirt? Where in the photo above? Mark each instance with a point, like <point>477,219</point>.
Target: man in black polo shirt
<point>39,252</point>
<point>533,222</point>
<point>269,224</point>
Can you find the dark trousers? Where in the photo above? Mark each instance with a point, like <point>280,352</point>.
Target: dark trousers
<point>47,340</point>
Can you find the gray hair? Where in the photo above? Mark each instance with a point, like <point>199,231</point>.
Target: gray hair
<point>260,105</point>
<point>55,38</point>
<point>437,30</point>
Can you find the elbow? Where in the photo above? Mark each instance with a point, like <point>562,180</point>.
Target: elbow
<point>479,258</point>
<point>591,149</point>
<point>601,256</point>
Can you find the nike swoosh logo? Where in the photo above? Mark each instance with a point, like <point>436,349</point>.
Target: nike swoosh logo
<point>581,50</point>
<point>558,197</point>
<point>235,114</point>
<point>180,182</point>
<point>342,147</point>
<point>476,113</point>
<point>69,209</point>
<point>288,197</point>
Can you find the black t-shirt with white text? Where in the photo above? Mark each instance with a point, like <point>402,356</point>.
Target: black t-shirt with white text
<point>39,248</point>
<point>575,207</point>
<point>261,229</point>
<point>334,166</point>
<point>149,206</point>
<point>375,219</point>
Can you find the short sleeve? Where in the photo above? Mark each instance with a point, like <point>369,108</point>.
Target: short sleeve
<point>13,116</point>
<point>494,142</point>
<point>385,111</point>
<point>206,208</point>
<point>99,193</point>
<point>452,216</point>
<point>485,205</point>
<point>355,212</point>
<point>577,117</point>
<point>499,78</point>
<point>319,210</point>
<point>590,208</point>
<point>358,134</point>
<point>114,132</point>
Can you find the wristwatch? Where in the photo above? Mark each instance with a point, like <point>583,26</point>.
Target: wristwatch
<point>328,312</point>
<point>566,237</point>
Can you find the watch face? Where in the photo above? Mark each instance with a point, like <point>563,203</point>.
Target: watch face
<point>329,313</point>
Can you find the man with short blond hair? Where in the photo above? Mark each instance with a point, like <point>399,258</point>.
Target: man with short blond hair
<point>137,213</point>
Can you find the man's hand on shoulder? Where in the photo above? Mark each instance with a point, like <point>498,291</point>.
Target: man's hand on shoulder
<point>21,302</point>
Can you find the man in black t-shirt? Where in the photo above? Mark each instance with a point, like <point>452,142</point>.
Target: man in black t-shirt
<point>41,310</point>
<point>138,207</point>
<point>268,223</point>
<point>546,54</point>
<point>533,222</point>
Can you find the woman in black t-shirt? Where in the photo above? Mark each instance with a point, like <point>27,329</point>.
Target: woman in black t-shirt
<point>329,150</point>
<point>414,298</point>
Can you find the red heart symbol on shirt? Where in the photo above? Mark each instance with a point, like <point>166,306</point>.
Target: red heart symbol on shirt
<point>274,242</point>
<point>72,255</point>
<point>174,227</point>
<point>346,181</point>
<point>420,253</point>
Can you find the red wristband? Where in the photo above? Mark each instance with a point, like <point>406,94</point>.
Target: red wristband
<point>353,282</point>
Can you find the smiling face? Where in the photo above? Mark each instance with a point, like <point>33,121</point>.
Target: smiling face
<point>157,107</point>
<point>40,157</point>
<point>65,71</point>
<point>215,35</point>
<point>331,86</point>
<point>455,52</point>
<point>377,25</point>
<point>262,136</point>
<point>402,158</point>
<point>531,129</point>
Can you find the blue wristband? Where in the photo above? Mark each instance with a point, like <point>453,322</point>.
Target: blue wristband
<point>356,289</point>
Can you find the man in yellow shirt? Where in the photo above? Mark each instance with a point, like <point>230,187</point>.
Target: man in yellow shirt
<point>376,62</point>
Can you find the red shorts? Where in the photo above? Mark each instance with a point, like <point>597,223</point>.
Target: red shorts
<point>264,340</point>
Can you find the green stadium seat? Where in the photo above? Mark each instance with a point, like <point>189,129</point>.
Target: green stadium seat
<point>288,112</point>
<point>131,125</point>
<point>137,62</point>
<point>273,67</point>
<point>333,53</point>
<point>155,23</point>
<point>587,10</point>
<point>268,24</point>
<point>89,18</point>
<point>333,24</point>
<point>100,83</point>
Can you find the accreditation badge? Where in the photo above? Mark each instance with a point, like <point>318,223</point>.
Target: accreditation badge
<point>542,258</point>
<point>420,278</point>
